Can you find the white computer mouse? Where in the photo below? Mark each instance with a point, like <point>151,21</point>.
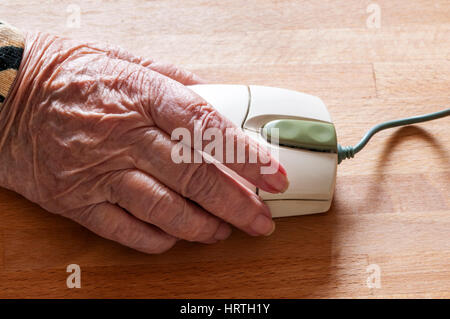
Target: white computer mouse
<point>307,140</point>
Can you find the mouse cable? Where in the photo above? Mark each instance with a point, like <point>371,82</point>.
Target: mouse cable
<point>345,152</point>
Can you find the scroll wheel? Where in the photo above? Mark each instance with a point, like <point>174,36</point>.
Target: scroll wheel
<point>305,134</point>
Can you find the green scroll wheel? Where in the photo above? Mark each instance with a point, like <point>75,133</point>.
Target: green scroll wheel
<point>305,134</point>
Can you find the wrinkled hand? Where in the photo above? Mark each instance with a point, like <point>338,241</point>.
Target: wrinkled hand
<point>85,133</point>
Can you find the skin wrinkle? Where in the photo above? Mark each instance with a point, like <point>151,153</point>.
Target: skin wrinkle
<point>113,181</point>
<point>176,220</point>
<point>183,176</point>
<point>139,80</point>
<point>201,115</point>
<point>166,69</point>
<point>210,187</point>
<point>84,213</point>
<point>77,122</point>
<point>92,165</point>
<point>153,208</point>
<point>125,74</point>
<point>137,131</point>
<point>202,184</point>
<point>84,178</point>
<point>154,93</point>
<point>208,117</point>
<point>182,218</point>
<point>35,169</point>
<point>121,229</point>
<point>93,142</point>
<point>145,132</point>
<point>196,181</point>
<point>163,205</point>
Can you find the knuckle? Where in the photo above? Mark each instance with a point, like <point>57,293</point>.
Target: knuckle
<point>206,114</point>
<point>115,185</point>
<point>150,138</point>
<point>152,90</point>
<point>210,117</point>
<point>243,211</point>
<point>205,231</point>
<point>158,206</point>
<point>199,230</point>
<point>200,182</point>
<point>182,223</point>
<point>177,216</point>
<point>176,73</point>
<point>184,76</point>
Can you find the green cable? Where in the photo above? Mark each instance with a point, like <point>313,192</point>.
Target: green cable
<point>345,152</point>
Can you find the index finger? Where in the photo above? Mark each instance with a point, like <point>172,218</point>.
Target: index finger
<point>173,106</point>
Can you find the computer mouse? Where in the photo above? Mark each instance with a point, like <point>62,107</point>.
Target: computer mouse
<point>307,145</point>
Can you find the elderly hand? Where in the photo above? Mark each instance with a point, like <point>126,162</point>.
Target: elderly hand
<point>86,133</point>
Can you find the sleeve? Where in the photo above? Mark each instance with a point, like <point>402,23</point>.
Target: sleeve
<point>11,53</point>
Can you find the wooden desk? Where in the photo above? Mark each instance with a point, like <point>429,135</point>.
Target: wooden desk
<point>392,204</point>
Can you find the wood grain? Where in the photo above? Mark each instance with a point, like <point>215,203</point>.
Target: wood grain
<point>392,204</point>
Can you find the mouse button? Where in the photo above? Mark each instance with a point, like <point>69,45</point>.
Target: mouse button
<point>268,103</point>
<point>229,100</point>
<point>311,174</point>
<point>311,135</point>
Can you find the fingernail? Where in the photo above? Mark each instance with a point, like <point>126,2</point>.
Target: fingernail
<point>276,183</point>
<point>282,170</point>
<point>263,225</point>
<point>223,232</point>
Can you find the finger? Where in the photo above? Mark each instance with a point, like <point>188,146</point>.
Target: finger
<point>176,73</point>
<point>112,222</point>
<point>171,105</point>
<point>172,71</point>
<point>154,203</point>
<point>203,183</point>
